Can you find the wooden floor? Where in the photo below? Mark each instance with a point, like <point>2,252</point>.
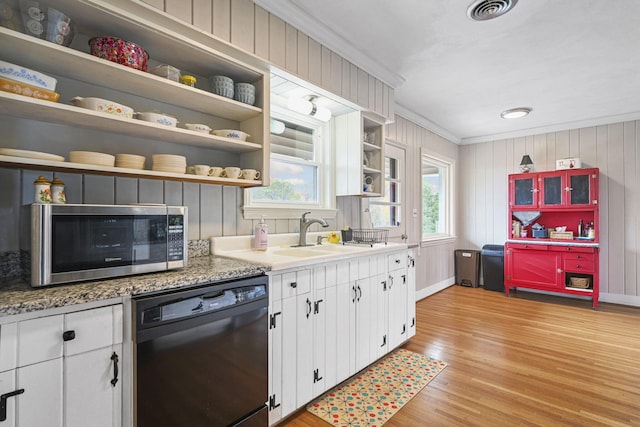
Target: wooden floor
<point>527,360</point>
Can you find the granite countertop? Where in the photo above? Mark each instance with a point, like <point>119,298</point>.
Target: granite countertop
<point>17,296</point>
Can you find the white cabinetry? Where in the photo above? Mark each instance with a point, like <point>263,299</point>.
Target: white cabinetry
<point>359,154</point>
<point>64,369</point>
<point>80,74</point>
<point>329,321</point>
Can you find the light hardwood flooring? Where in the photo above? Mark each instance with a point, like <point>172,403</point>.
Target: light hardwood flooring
<point>527,360</point>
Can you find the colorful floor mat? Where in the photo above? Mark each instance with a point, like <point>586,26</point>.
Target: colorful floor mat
<point>376,394</point>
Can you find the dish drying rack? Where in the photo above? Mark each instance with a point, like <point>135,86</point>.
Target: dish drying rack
<point>366,236</point>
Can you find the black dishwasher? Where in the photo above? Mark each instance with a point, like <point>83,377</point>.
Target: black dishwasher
<point>202,356</point>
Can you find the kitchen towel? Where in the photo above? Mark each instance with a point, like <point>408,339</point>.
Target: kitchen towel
<point>377,393</point>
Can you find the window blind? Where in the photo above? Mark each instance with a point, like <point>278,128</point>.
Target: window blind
<point>295,141</point>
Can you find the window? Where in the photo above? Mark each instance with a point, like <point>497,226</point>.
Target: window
<point>300,170</point>
<point>437,206</point>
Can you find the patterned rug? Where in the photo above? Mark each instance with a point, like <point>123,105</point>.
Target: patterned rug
<point>376,394</point>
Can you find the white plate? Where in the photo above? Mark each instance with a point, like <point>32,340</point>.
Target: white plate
<point>30,154</point>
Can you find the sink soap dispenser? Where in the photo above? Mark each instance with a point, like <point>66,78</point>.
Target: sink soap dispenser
<point>261,236</point>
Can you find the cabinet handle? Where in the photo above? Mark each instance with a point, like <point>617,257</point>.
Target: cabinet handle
<point>68,335</point>
<point>384,285</point>
<point>390,282</point>
<point>559,270</point>
<point>355,294</point>
<point>272,402</point>
<point>578,266</point>
<point>384,341</point>
<point>404,329</point>
<point>404,279</point>
<point>397,261</point>
<point>359,292</point>
<point>308,308</point>
<point>114,358</point>
<point>293,284</point>
<point>3,402</point>
<point>413,322</point>
<point>316,376</point>
<point>316,306</point>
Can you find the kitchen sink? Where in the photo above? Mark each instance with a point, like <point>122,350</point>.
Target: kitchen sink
<point>301,252</point>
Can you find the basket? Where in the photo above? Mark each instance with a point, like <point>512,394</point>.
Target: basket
<point>580,282</point>
<point>367,236</point>
<point>567,235</point>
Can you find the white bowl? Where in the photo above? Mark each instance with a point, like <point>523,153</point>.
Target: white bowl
<point>159,118</point>
<point>103,106</point>
<point>92,158</point>
<point>231,133</point>
<point>131,161</point>
<point>198,127</point>
<point>25,75</point>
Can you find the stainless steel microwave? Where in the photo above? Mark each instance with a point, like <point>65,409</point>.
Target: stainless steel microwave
<point>73,242</point>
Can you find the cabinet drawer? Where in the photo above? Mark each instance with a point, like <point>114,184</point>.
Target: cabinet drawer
<point>575,249</point>
<point>296,283</point>
<point>40,339</point>
<point>579,257</point>
<point>93,329</point>
<point>8,346</point>
<point>396,261</point>
<point>527,246</point>
<point>578,266</point>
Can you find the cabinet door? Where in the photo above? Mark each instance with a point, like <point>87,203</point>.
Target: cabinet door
<point>380,315</point>
<point>552,190</point>
<point>331,330</point>
<point>8,346</point>
<point>582,187</point>
<point>90,398</point>
<point>289,358</point>
<point>523,191</point>
<point>319,336</point>
<point>534,268</point>
<point>345,334</point>
<point>275,361</point>
<point>304,349</point>
<point>397,307</point>
<point>411,293</point>
<point>363,306</point>
<point>8,385</point>
<point>41,403</point>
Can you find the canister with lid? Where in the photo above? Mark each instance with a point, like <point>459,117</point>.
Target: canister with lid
<point>42,190</point>
<point>57,192</point>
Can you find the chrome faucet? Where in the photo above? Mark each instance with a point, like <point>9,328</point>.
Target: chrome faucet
<point>304,226</point>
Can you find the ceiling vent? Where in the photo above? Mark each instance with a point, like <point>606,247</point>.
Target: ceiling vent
<point>483,10</point>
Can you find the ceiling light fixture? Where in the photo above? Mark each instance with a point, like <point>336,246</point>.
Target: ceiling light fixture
<point>515,113</point>
<point>309,107</point>
<point>483,10</point>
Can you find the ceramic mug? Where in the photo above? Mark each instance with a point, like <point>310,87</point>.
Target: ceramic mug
<point>215,171</point>
<point>201,169</point>
<point>368,180</point>
<point>250,174</point>
<point>191,170</point>
<point>231,172</point>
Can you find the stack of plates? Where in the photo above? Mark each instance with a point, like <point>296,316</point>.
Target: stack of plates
<point>169,163</point>
<point>92,158</point>
<point>131,161</point>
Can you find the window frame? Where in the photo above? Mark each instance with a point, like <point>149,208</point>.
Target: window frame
<point>447,208</point>
<point>324,151</point>
<point>399,154</point>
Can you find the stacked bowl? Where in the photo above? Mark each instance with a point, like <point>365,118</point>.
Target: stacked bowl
<point>169,163</point>
<point>130,161</point>
<point>222,85</point>
<point>245,92</point>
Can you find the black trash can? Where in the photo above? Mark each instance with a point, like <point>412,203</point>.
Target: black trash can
<point>493,267</point>
<point>467,266</point>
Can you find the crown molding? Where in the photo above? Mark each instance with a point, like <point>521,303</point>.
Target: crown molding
<point>607,120</point>
<point>294,15</point>
<point>426,123</point>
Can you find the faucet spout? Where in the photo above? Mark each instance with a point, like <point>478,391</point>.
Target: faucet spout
<point>305,223</point>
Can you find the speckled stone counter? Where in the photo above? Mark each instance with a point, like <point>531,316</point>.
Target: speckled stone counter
<point>17,297</point>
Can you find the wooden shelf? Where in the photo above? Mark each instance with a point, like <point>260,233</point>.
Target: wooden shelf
<point>52,112</point>
<point>370,147</point>
<point>37,164</point>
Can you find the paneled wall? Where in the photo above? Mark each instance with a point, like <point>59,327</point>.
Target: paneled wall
<point>614,148</point>
<point>435,259</point>
<point>251,28</point>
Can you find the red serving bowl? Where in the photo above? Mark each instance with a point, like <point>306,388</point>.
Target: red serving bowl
<point>120,51</point>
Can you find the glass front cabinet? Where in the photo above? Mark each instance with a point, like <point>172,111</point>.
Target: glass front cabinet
<point>568,189</point>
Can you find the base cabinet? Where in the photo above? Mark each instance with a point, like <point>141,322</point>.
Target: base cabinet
<point>62,369</point>
<point>331,321</point>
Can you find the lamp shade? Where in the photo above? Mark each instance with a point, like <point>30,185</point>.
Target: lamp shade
<point>526,160</point>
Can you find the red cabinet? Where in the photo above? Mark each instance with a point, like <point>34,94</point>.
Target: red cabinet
<point>555,198</point>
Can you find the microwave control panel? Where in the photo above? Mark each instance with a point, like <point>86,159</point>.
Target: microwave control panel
<point>176,238</point>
